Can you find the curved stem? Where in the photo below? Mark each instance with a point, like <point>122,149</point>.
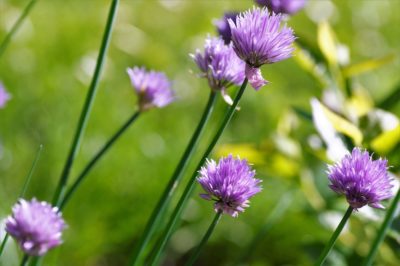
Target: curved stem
<point>204,240</point>
<point>88,104</point>
<point>190,186</point>
<point>95,158</point>
<point>22,193</point>
<point>382,230</point>
<point>334,237</point>
<point>16,26</point>
<point>165,198</point>
<point>24,260</point>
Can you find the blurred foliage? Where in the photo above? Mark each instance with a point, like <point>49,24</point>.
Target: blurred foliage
<point>346,60</point>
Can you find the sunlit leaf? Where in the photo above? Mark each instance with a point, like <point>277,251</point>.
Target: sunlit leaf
<point>386,141</point>
<point>282,165</point>
<point>308,63</point>
<point>336,149</point>
<point>310,190</point>
<point>244,150</point>
<point>344,126</point>
<point>369,65</point>
<point>327,42</point>
<point>360,103</point>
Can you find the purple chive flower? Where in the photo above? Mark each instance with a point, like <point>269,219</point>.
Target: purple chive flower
<point>230,183</point>
<point>220,65</point>
<point>283,6</point>
<point>4,96</point>
<point>259,39</point>
<point>37,226</point>
<point>362,180</point>
<point>223,28</point>
<point>152,88</point>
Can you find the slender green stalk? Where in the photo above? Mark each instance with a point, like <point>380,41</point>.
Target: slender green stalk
<point>16,26</point>
<point>190,186</point>
<point>22,193</point>
<point>383,230</point>
<point>95,159</point>
<point>35,261</point>
<point>87,106</point>
<point>24,260</point>
<point>165,198</point>
<point>334,237</point>
<point>204,240</point>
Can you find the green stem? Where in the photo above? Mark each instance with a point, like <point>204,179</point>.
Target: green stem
<point>16,26</point>
<point>196,253</point>
<point>24,260</point>
<point>35,261</point>
<point>95,159</point>
<point>165,198</point>
<point>334,237</point>
<point>22,193</point>
<point>29,176</point>
<point>190,186</point>
<point>88,104</point>
<point>383,230</point>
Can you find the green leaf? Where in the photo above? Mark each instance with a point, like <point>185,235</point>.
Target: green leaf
<point>386,141</point>
<point>344,126</point>
<point>303,113</point>
<point>306,61</point>
<point>369,65</point>
<point>327,43</point>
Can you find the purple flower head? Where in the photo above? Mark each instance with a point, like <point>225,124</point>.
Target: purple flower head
<point>258,38</point>
<point>283,6</point>
<point>220,65</point>
<point>362,180</point>
<point>230,183</point>
<point>4,96</point>
<point>152,88</point>
<point>36,226</point>
<point>223,28</point>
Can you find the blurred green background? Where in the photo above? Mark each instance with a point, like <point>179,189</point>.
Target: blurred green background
<point>47,69</point>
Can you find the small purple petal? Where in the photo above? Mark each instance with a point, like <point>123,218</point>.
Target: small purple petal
<point>223,28</point>
<point>152,88</point>
<point>205,196</point>
<point>253,74</point>
<point>231,182</point>
<point>4,96</point>
<point>362,180</point>
<point>289,7</point>
<point>37,226</point>
<point>219,64</point>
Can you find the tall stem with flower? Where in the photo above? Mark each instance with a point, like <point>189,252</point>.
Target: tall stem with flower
<point>257,39</point>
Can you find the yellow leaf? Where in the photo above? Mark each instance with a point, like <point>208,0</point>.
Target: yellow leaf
<point>244,150</point>
<point>343,126</point>
<point>360,102</point>
<point>359,68</point>
<point>386,141</point>
<point>284,166</point>
<point>327,42</point>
